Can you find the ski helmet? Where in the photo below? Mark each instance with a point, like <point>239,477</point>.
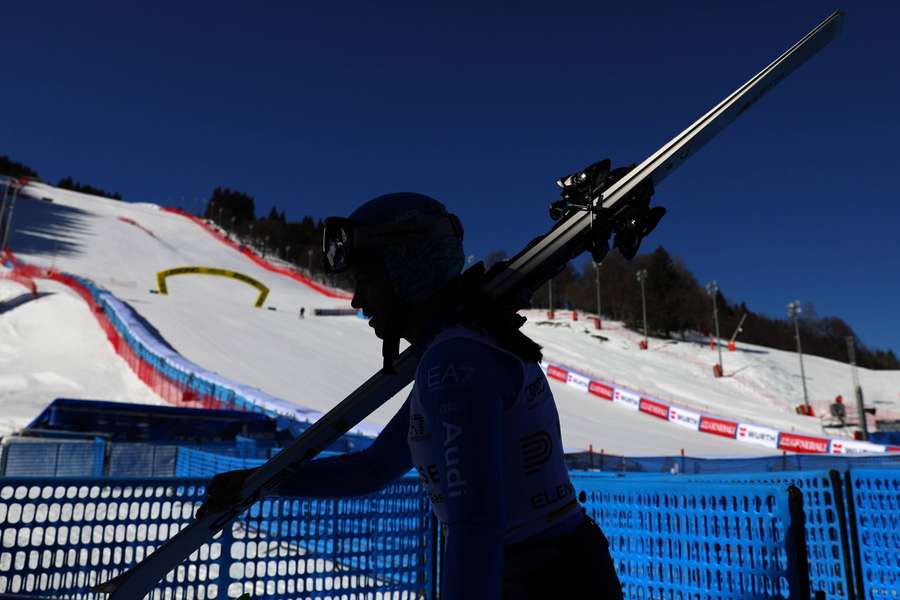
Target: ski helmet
<point>412,235</point>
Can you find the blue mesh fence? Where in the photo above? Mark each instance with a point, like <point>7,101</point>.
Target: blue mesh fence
<point>142,460</point>
<point>674,539</point>
<point>874,508</point>
<point>58,537</point>
<point>27,457</point>
<point>594,461</point>
<point>827,539</point>
<point>61,536</point>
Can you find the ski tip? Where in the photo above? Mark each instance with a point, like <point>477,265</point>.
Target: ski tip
<point>110,585</point>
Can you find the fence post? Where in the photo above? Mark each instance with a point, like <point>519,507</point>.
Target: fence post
<point>795,546</point>
<point>854,536</point>
<point>839,506</point>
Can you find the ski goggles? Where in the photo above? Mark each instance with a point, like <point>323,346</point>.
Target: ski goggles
<point>346,243</point>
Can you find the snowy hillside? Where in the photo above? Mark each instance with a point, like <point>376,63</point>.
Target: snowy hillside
<point>51,346</point>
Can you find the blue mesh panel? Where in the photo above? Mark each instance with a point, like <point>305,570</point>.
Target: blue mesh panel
<point>827,540</point>
<point>682,540</point>
<point>48,459</point>
<point>876,504</point>
<point>142,460</point>
<point>335,548</point>
<point>59,537</point>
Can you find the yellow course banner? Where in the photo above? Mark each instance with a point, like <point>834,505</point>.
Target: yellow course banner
<point>161,279</point>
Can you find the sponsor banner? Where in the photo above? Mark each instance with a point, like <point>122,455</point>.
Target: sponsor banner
<point>718,427</point>
<point>554,372</point>
<point>854,447</point>
<point>893,448</point>
<point>656,409</point>
<point>578,381</point>
<point>632,401</point>
<point>754,434</point>
<point>601,389</point>
<point>803,443</point>
<point>684,417</point>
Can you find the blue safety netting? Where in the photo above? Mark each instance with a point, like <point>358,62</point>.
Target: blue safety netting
<point>874,507</point>
<point>826,534</point>
<point>676,539</point>
<point>594,461</point>
<point>61,536</point>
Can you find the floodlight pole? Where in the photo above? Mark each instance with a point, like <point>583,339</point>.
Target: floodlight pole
<point>857,389</point>
<point>712,288</point>
<point>597,286</point>
<point>793,310</point>
<point>8,212</point>
<point>642,277</point>
<point>6,188</point>
<point>550,295</point>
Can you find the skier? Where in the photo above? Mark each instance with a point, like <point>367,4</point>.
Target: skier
<point>480,425</point>
<point>302,311</point>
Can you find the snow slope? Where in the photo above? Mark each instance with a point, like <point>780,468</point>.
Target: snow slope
<point>316,361</point>
<point>51,347</point>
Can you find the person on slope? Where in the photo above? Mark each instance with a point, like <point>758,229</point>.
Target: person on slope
<point>480,425</point>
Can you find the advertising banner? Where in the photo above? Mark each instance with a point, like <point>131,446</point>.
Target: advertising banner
<point>554,372</point>
<point>578,381</point>
<point>601,389</point>
<point>803,443</point>
<point>653,408</point>
<point>684,417</point>
<point>625,398</point>
<point>754,434</point>
<point>718,426</point>
<point>854,447</point>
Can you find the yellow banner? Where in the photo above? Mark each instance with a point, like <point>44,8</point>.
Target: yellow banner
<point>162,275</point>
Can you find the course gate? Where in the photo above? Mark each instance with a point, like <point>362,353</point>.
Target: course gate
<point>162,275</point>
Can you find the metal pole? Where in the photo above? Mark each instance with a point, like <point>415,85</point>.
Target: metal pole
<point>550,293</point>
<point>793,311</point>
<point>713,289</point>
<point>860,406</point>
<point>597,285</point>
<point>737,329</point>
<point>4,239</point>
<point>641,277</point>
<point>3,202</point>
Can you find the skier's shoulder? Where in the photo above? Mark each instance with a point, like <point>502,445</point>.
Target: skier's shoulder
<point>460,344</point>
<point>460,339</point>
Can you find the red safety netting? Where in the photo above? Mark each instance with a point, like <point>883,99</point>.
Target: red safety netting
<point>173,392</point>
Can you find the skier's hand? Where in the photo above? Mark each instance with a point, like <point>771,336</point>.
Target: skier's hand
<point>222,491</point>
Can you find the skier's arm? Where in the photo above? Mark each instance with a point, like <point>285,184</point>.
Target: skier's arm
<point>464,386</point>
<point>357,473</point>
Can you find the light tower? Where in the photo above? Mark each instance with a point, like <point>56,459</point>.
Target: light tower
<point>712,288</point>
<point>641,275</point>
<point>793,311</point>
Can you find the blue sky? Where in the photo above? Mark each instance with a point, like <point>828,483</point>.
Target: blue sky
<point>483,108</point>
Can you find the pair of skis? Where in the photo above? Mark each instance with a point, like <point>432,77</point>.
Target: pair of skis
<point>596,205</point>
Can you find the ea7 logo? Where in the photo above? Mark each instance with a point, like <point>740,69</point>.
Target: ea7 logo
<point>452,374</point>
<point>536,450</point>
